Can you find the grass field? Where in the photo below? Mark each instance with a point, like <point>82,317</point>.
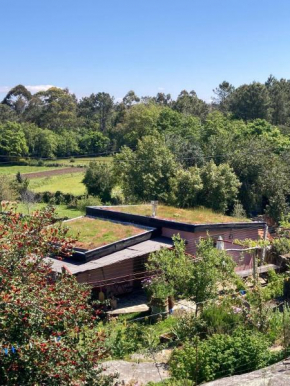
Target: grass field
<point>66,183</point>
<point>61,210</point>
<point>93,233</point>
<point>48,165</point>
<point>194,216</point>
<point>14,169</point>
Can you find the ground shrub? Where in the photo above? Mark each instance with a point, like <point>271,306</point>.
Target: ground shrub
<point>220,319</point>
<point>83,202</point>
<point>281,245</point>
<point>220,355</point>
<point>275,286</point>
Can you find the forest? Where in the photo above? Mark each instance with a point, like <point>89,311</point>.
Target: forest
<point>231,155</point>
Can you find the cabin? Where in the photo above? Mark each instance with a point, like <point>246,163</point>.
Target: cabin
<point>117,240</point>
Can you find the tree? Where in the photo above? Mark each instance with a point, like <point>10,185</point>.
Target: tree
<point>139,121</point>
<point>12,140</point>
<point>67,144</point>
<point>99,180</point>
<point>264,175</point>
<point>7,114</point>
<point>251,101</point>
<point>45,144</point>
<point>97,107</point>
<point>199,280</point>
<point>189,103</point>
<point>146,173</point>
<point>185,187</point>
<point>223,93</point>
<point>18,99</point>
<point>43,319</point>
<point>94,142</point>
<point>53,109</point>
<point>163,99</point>
<point>182,136</point>
<point>279,92</point>
<point>130,99</point>
<point>220,186</point>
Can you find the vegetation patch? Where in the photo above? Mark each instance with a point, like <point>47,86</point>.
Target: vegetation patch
<point>23,169</point>
<point>66,183</point>
<point>92,233</point>
<point>197,215</point>
<point>61,211</point>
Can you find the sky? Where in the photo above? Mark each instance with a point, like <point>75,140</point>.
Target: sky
<point>148,46</point>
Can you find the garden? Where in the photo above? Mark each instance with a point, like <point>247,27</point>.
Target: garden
<point>230,326</point>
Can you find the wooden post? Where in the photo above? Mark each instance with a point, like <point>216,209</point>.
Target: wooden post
<point>264,248</point>
<point>255,266</point>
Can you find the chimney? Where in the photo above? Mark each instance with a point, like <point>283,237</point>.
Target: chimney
<point>154,208</point>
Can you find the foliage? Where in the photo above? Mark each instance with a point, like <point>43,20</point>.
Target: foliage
<point>50,346</point>
<point>83,202</point>
<point>12,140</point>
<point>220,186</point>
<point>146,173</point>
<point>250,101</point>
<point>281,245</point>
<point>275,285</point>
<point>245,128</point>
<point>238,210</point>
<point>220,355</point>
<point>198,279</point>
<point>99,180</point>
<point>7,191</point>
<point>185,187</point>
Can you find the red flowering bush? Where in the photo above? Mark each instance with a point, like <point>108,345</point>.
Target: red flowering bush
<point>45,321</point>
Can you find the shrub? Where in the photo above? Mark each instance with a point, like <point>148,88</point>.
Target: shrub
<point>123,341</point>
<point>275,286</point>
<point>99,180</point>
<point>83,202</point>
<point>117,196</point>
<point>281,245</point>
<point>220,319</point>
<point>220,355</point>
<point>44,320</point>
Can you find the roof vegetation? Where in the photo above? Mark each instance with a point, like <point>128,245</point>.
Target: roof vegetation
<point>191,216</point>
<point>93,233</point>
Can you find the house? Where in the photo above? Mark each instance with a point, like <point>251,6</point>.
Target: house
<point>119,266</point>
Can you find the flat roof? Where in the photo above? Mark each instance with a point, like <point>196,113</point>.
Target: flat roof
<point>140,249</point>
<point>178,223</point>
<point>91,232</point>
<point>199,215</point>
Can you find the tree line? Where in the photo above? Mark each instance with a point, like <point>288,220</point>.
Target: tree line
<point>234,150</point>
<point>54,123</point>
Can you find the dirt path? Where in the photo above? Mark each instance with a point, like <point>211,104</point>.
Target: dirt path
<point>54,172</point>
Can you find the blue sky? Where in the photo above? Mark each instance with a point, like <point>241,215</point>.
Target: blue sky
<point>148,46</point>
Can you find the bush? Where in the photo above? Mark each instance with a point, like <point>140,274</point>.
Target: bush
<point>123,341</point>
<point>99,180</point>
<point>220,319</point>
<point>83,202</point>
<point>275,286</point>
<point>281,245</point>
<point>117,196</point>
<point>220,355</point>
